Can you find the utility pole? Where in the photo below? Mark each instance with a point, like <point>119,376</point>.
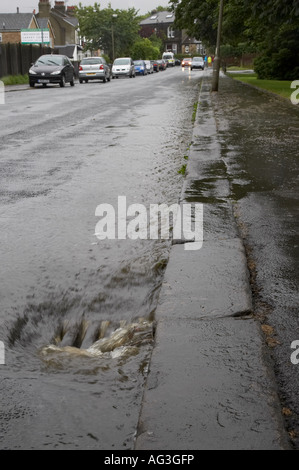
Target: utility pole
<point>112,36</point>
<point>215,81</point>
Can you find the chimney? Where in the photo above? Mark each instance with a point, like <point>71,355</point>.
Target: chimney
<point>71,10</point>
<point>44,8</point>
<point>60,6</point>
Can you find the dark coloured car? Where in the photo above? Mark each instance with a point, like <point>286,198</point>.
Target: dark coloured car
<point>162,64</point>
<point>156,67</point>
<point>94,68</point>
<point>52,68</point>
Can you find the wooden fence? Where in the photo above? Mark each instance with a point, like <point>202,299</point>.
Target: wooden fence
<point>16,59</point>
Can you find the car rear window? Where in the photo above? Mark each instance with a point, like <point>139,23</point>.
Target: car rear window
<point>91,61</point>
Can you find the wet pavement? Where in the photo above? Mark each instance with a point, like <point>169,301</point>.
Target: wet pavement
<point>259,137</point>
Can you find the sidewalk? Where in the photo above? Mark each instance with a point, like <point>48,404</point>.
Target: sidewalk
<point>209,386</point>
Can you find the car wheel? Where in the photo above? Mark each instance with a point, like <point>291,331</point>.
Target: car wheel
<point>62,83</point>
<point>80,81</point>
<point>31,84</point>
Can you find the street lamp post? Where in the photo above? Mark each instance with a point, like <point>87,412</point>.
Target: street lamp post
<point>112,36</point>
<point>215,81</point>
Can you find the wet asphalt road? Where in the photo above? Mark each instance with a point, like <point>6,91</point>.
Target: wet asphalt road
<point>64,152</point>
<point>259,137</point>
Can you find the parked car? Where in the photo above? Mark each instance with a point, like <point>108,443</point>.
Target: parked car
<point>156,67</point>
<point>162,64</point>
<point>186,62</point>
<point>149,66</point>
<point>94,68</point>
<point>123,67</point>
<point>197,63</point>
<point>52,68</point>
<point>140,67</point>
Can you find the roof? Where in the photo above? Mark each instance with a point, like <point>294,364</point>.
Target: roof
<point>15,21</point>
<point>68,49</point>
<point>159,17</point>
<point>65,18</point>
<point>43,22</point>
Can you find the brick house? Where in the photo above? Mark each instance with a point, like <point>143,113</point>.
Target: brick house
<point>161,23</point>
<point>11,25</point>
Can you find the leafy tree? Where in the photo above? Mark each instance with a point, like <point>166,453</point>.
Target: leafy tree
<point>144,49</point>
<point>99,27</point>
<point>270,27</point>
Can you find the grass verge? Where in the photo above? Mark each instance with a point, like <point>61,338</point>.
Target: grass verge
<point>15,80</point>
<point>279,87</point>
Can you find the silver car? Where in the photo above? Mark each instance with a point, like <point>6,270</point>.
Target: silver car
<point>123,67</point>
<point>94,68</point>
<point>149,66</point>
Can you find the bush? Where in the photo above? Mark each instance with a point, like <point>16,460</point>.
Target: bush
<point>280,61</point>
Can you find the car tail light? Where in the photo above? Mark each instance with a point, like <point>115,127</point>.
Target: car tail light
<point>101,67</point>
<point>80,68</point>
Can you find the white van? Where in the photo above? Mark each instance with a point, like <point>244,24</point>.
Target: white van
<point>169,56</point>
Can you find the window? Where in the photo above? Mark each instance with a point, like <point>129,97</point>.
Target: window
<point>170,32</point>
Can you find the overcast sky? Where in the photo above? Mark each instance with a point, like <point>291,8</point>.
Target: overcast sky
<point>27,6</point>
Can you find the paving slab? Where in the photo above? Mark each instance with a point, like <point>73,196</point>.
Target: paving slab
<point>209,389</point>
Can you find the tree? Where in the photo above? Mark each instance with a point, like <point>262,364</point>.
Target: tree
<point>101,28</point>
<point>270,27</point>
<point>144,49</point>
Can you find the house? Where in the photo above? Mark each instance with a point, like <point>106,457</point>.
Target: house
<point>161,23</point>
<point>14,27</point>
<point>63,21</point>
<point>11,25</point>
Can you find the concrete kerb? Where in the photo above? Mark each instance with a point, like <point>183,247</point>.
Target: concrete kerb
<point>209,386</point>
